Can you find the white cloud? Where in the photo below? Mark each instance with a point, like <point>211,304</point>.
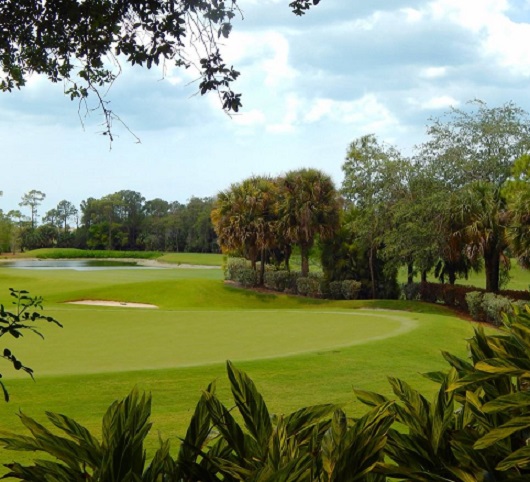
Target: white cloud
<point>248,118</point>
<point>290,117</point>
<point>367,113</point>
<point>501,38</point>
<point>412,15</point>
<point>267,53</point>
<point>433,72</point>
<point>440,102</point>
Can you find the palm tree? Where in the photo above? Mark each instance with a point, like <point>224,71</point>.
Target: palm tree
<point>244,218</point>
<point>309,206</point>
<point>519,229</point>
<point>483,213</point>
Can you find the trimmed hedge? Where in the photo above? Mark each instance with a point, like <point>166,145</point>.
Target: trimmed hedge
<point>240,271</point>
<point>478,303</point>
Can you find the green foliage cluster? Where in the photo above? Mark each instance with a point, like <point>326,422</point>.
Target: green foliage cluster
<point>490,307</point>
<point>124,220</point>
<point>257,445</point>
<point>308,286</point>
<point>460,203</point>
<point>474,429</point>
<point>240,271</point>
<point>24,317</point>
<point>293,282</point>
<point>281,280</point>
<point>85,44</point>
<point>350,289</point>
<point>262,218</point>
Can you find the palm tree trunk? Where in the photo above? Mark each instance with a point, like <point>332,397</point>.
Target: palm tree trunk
<point>372,271</point>
<point>304,252</point>
<point>262,268</point>
<point>492,263</point>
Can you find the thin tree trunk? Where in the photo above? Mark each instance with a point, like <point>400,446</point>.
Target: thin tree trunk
<point>372,271</point>
<point>410,273</point>
<point>287,257</point>
<point>304,252</point>
<point>262,268</point>
<point>424,276</point>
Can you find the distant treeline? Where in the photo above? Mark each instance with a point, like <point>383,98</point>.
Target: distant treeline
<point>124,220</point>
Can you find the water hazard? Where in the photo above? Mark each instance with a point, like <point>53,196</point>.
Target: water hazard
<point>77,264</point>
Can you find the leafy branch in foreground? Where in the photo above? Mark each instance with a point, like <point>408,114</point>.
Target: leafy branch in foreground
<point>84,43</point>
<point>14,322</point>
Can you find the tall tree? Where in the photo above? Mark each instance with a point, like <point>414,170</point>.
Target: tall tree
<point>375,179</point>
<point>517,192</point>
<point>33,199</point>
<point>472,151</point>
<point>309,207</point>
<point>65,211</point>
<point>244,218</point>
<point>478,143</point>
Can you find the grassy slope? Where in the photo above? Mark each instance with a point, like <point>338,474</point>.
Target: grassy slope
<point>288,382</point>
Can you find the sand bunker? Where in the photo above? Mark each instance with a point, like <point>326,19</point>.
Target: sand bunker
<point>121,304</point>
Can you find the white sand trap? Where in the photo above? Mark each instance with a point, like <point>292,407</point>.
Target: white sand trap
<point>121,304</point>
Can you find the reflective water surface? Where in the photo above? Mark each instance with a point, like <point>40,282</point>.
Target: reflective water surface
<point>75,264</point>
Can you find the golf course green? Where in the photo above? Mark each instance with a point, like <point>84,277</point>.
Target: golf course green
<point>298,351</point>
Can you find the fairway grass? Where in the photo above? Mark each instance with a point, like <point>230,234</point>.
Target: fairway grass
<point>298,351</point>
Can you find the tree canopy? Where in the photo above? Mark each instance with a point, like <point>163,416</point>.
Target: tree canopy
<point>83,43</point>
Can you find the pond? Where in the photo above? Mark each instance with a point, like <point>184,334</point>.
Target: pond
<point>75,264</point>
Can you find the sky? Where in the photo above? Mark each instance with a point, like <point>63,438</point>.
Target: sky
<point>310,85</point>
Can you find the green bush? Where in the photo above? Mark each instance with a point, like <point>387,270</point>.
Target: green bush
<point>277,280</point>
<point>410,291</point>
<point>335,290</point>
<point>307,286</point>
<point>240,271</point>
<point>474,305</point>
<point>350,289</point>
<point>494,306</point>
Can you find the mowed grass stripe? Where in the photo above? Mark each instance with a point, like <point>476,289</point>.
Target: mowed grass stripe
<point>114,340</point>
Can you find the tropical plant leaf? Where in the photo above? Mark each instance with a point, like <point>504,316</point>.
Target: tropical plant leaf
<point>228,427</point>
<point>251,406</point>
<point>505,366</point>
<point>370,398</point>
<point>517,400</point>
<point>518,459</point>
<point>499,433</point>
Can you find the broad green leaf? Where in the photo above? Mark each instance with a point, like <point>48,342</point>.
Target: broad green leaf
<point>251,406</point>
<point>505,366</point>
<point>370,398</point>
<point>198,431</point>
<point>495,435</point>
<point>506,402</point>
<point>520,459</point>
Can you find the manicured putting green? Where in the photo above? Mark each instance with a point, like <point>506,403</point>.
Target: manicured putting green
<point>97,340</point>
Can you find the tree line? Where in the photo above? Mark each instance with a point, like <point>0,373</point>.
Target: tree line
<point>461,202</point>
<point>124,220</point>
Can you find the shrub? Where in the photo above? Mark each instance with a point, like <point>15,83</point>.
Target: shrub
<point>474,305</point>
<point>410,291</point>
<point>240,271</point>
<point>335,290</point>
<point>277,280</point>
<point>494,306</point>
<point>350,289</point>
<point>307,286</point>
